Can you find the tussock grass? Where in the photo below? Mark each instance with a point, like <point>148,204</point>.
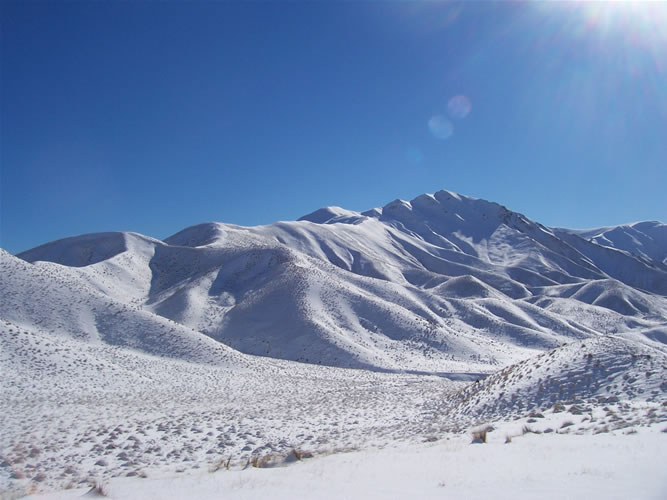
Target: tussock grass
<point>222,463</point>
<point>97,490</point>
<point>479,435</point>
<point>300,454</point>
<point>529,430</point>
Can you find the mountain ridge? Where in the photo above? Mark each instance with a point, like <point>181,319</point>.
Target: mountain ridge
<point>441,283</point>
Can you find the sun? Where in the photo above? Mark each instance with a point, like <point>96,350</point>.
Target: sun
<point>636,28</point>
<point>643,18</point>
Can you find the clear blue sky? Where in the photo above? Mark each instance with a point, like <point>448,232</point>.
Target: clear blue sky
<point>153,116</point>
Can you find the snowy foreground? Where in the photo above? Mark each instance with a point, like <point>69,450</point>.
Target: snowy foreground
<point>610,466</point>
<point>141,426</point>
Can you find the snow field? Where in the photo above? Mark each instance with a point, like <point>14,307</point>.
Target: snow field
<point>612,466</point>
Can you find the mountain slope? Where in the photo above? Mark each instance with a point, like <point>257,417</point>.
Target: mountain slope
<point>53,299</point>
<point>647,240</point>
<point>443,283</point>
<point>602,369</point>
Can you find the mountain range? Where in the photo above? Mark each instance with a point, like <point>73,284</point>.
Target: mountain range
<point>443,283</point>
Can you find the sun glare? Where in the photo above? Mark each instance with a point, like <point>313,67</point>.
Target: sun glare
<point>629,26</point>
<point>646,19</point>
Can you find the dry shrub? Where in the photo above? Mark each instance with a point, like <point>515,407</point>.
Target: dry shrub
<point>97,490</point>
<point>479,435</point>
<point>300,454</point>
<point>262,462</point>
<point>221,463</point>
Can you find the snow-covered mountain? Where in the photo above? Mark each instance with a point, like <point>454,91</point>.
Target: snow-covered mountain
<point>443,283</point>
<point>124,355</point>
<point>647,240</point>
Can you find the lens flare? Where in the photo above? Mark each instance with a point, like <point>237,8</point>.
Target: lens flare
<point>441,127</point>
<point>459,107</point>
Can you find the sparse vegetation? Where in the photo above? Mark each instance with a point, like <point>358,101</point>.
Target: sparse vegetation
<point>479,435</point>
<point>97,488</point>
<point>221,463</point>
<point>300,454</point>
<point>558,407</point>
<point>263,461</point>
<point>529,430</point>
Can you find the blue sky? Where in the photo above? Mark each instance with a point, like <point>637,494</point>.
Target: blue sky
<point>153,116</point>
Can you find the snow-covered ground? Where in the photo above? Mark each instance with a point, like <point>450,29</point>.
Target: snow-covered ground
<point>611,466</point>
<point>77,411</point>
<point>80,413</point>
<point>344,355</point>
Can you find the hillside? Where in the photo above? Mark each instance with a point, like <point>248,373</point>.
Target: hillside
<point>443,283</point>
<point>603,370</point>
<point>125,355</point>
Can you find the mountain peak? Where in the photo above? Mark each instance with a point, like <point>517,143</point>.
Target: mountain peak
<point>332,215</point>
<point>79,251</point>
<point>198,235</point>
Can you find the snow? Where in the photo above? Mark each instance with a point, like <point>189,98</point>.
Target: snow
<point>532,466</point>
<point>376,341</point>
<point>642,239</point>
<point>148,414</point>
<point>416,275</point>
